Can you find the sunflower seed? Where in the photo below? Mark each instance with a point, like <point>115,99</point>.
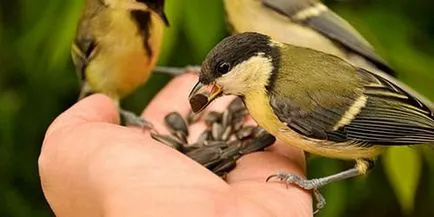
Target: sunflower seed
<point>204,136</point>
<point>168,140</point>
<point>216,131</point>
<point>231,151</point>
<point>259,131</point>
<point>191,147</point>
<point>234,142</point>
<point>213,117</point>
<point>193,117</point>
<point>237,123</point>
<point>198,102</point>
<point>236,105</point>
<point>245,132</point>
<point>226,118</point>
<point>220,144</point>
<point>224,167</point>
<point>239,115</point>
<point>227,133</point>
<point>181,136</point>
<point>258,144</point>
<point>207,156</point>
<point>175,122</point>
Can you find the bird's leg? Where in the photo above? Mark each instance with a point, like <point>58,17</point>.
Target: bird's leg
<point>361,167</point>
<point>177,70</point>
<point>130,119</point>
<point>85,90</point>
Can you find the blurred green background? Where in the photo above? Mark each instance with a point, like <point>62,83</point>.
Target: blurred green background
<point>37,82</point>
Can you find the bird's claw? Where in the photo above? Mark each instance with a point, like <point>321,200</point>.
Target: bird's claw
<point>131,119</point>
<point>313,185</point>
<point>320,201</point>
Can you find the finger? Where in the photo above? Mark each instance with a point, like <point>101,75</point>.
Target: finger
<point>60,139</point>
<point>86,160</point>
<point>95,108</point>
<point>258,166</point>
<point>249,179</point>
<point>61,155</point>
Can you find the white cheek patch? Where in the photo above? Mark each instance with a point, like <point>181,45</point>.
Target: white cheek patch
<point>250,74</point>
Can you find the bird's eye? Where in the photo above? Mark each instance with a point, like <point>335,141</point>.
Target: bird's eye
<point>223,68</point>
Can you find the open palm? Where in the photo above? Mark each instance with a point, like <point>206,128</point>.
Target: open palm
<point>91,166</point>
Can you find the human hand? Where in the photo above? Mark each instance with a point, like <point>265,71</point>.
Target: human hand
<point>91,166</point>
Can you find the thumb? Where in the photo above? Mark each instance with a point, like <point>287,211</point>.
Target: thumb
<point>95,108</point>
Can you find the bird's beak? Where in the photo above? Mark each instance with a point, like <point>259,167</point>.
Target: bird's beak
<point>202,95</point>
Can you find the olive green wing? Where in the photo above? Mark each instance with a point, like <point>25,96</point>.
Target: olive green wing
<point>317,16</point>
<point>383,113</point>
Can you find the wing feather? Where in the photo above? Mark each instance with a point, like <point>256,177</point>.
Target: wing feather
<point>390,116</point>
<point>330,25</point>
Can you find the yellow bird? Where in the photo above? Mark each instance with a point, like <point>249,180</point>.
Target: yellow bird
<point>305,23</point>
<point>315,101</point>
<point>116,47</point>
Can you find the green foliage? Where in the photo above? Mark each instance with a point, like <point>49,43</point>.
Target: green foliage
<point>207,34</point>
<point>403,167</point>
<point>175,15</point>
<point>335,193</point>
<point>38,82</point>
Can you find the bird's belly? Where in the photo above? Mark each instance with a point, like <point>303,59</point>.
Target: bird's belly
<point>127,65</point>
<point>120,73</point>
<point>261,111</point>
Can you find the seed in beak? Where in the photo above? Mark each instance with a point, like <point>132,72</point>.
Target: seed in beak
<point>198,102</point>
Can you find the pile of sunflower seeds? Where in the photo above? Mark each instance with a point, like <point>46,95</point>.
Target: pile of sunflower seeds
<point>222,143</point>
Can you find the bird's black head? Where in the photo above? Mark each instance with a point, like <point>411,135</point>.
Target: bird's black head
<point>235,50</point>
<point>158,7</point>
<point>241,64</point>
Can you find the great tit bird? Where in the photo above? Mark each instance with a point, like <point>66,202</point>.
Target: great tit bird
<point>116,46</point>
<point>315,101</point>
<point>306,23</point>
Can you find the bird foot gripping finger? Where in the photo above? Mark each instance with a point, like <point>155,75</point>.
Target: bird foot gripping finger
<point>320,201</point>
<point>177,70</point>
<point>361,167</point>
<point>312,184</point>
<point>290,178</point>
<point>130,119</point>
